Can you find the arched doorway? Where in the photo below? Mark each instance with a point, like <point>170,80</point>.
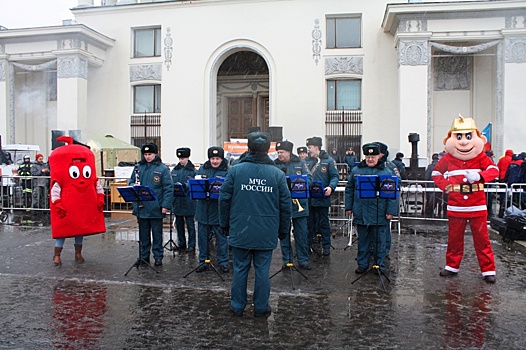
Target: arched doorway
<point>242,95</point>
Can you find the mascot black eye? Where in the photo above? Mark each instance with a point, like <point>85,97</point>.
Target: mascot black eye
<point>74,172</point>
<point>459,137</point>
<point>469,136</point>
<point>86,171</point>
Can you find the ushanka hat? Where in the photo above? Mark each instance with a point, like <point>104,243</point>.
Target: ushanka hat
<point>285,146</point>
<point>302,149</point>
<point>183,152</point>
<point>314,141</point>
<point>259,141</point>
<point>149,148</point>
<point>371,149</point>
<point>216,152</point>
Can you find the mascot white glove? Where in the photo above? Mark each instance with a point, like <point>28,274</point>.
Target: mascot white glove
<point>472,176</point>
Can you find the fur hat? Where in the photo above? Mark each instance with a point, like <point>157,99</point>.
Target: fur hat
<point>314,141</point>
<point>285,146</point>
<point>371,149</point>
<point>216,152</point>
<point>183,152</point>
<point>259,141</point>
<point>149,148</point>
<point>302,149</point>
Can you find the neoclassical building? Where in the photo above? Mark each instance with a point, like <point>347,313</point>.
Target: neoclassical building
<point>200,73</point>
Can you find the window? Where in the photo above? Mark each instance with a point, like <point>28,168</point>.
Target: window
<point>147,99</point>
<point>147,42</point>
<point>344,94</point>
<point>344,32</point>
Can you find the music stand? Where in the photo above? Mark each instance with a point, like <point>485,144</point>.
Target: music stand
<point>377,186</point>
<point>205,189</point>
<point>138,194</point>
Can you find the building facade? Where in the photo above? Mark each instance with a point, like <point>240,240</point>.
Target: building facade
<point>199,73</point>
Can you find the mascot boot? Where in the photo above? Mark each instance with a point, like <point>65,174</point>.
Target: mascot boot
<point>78,253</point>
<point>56,257</point>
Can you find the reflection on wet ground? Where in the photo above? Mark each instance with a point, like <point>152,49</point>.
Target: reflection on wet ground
<point>94,306</point>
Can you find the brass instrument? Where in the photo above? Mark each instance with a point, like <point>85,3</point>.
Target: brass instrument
<point>297,202</point>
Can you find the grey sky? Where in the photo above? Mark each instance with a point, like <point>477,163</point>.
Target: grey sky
<point>35,13</point>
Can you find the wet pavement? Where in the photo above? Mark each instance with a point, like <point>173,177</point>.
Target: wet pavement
<point>94,306</point>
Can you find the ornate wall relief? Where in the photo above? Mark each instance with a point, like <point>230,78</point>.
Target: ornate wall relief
<point>72,67</point>
<point>515,22</point>
<point>344,64</point>
<point>413,53</point>
<point>168,42</point>
<point>515,50</point>
<point>412,25</point>
<point>146,72</point>
<point>71,44</point>
<point>2,48</point>
<point>452,73</point>
<point>316,41</point>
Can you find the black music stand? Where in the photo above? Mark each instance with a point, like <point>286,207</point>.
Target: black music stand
<point>374,186</point>
<point>138,194</point>
<point>205,189</point>
<point>170,245</point>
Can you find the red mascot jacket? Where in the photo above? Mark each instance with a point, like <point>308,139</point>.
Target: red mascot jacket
<point>465,202</point>
<point>78,211</point>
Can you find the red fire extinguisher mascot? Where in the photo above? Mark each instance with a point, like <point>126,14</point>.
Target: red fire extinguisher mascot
<point>462,173</point>
<point>77,198</point>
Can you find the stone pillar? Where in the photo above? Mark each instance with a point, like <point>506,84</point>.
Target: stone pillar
<point>413,60</point>
<point>72,92</point>
<point>513,99</point>
<point>4,98</point>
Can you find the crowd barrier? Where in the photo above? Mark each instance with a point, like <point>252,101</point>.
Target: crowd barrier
<point>417,199</point>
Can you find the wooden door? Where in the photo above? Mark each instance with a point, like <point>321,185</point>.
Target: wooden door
<point>241,116</point>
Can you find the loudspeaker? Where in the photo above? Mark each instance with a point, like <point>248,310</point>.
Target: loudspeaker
<point>276,133</point>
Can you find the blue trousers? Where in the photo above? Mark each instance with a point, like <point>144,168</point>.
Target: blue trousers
<point>59,242</point>
<point>190,226</point>
<point>319,223</point>
<point>205,232</point>
<point>300,239</point>
<point>242,258</point>
<point>369,241</point>
<point>155,226</point>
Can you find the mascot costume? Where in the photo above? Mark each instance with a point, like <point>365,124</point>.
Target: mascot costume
<point>77,198</point>
<point>462,173</point>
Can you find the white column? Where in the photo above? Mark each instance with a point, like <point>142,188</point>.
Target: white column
<point>413,60</point>
<point>4,99</point>
<point>514,101</point>
<point>72,92</point>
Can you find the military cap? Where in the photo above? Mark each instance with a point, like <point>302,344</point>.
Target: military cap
<point>149,148</point>
<point>285,146</point>
<point>371,149</point>
<point>259,141</point>
<point>383,148</point>
<point>314,141</point>
<point>215,151</point>
<point>302,149</point>
<point>183,152</point>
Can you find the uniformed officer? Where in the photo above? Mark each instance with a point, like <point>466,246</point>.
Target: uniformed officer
<point>255,208</point>
<point>291,164</point>
<point>183,207</point>
<point>302,152</point>
<point>322,168</point>
<point>371,215</point>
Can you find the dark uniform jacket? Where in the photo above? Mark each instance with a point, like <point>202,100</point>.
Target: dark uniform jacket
<point>207,210</point>
<point>156,175</point>
<point>183,206</point>
<point>296,166</point>
<point>255,203</point>
<point>368,211</point>
<point>325,172</point>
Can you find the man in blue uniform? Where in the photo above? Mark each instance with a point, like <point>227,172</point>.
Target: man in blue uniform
<point>183,207</point>
<point>323,169</point>
<point>150,171</point>
<point>255,208</point>
<point>207,213</point>
<point>290,164</point>
<point>371,215</point>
